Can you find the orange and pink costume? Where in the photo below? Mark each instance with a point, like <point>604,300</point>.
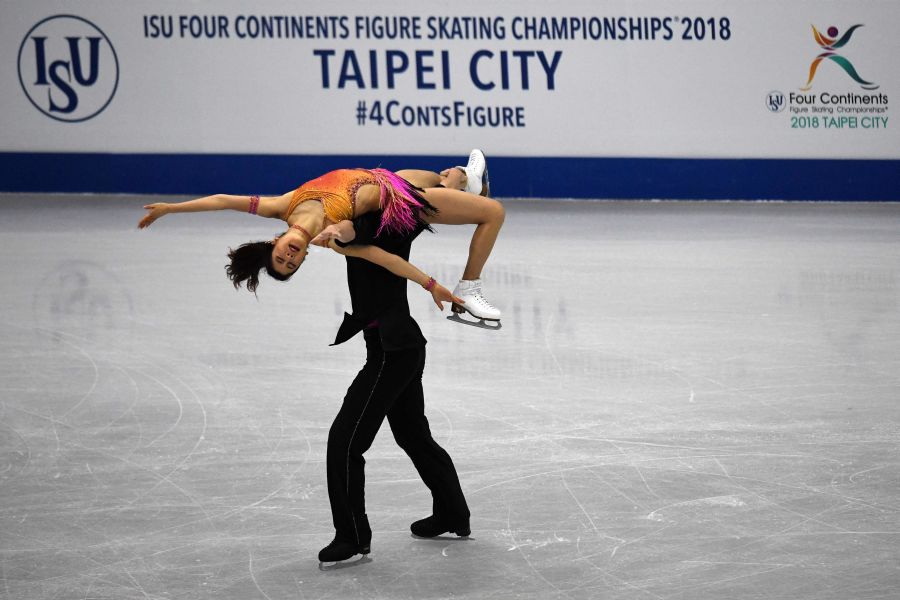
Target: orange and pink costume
<point>401,202</point>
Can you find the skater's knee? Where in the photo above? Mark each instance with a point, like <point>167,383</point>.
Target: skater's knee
<point>496,211</point>
<point>337,444</point>
<point>338,437</point>
<point>404,440</point>
<point>410,437</point>
<point>343,447</point>
<point>359,446</point>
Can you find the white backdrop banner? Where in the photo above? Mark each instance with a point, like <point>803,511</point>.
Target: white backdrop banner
<point>687,79</point>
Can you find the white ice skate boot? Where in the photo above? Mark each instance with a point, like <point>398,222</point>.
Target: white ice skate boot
<point>477,180</point>
<point>475,304</point>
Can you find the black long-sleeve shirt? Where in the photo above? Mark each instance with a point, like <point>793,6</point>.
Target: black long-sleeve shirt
<point>377,296</point>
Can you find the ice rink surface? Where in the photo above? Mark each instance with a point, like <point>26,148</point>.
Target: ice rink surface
<point>687,401</point>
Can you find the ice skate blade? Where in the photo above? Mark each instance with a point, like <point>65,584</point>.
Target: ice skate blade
<point>481,323</point>
<point>344,564</point>
<point>444,537</point>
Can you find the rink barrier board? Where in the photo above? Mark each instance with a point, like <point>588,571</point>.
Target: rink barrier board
<point>536,177</point>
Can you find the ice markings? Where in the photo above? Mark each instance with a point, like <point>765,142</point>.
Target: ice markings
<point>726,501</point>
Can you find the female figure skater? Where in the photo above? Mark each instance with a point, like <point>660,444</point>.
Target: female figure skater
<point>347,193</point>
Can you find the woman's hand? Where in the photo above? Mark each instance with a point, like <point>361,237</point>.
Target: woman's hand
<point>156,210</point>
<point>440,294</point>
<point>342,232</point>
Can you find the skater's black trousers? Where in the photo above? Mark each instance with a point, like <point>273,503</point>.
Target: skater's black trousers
<point>389,385</point>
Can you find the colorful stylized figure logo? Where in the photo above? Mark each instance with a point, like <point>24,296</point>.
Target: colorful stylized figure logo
<point>68,68</point>
<point>830,43</point>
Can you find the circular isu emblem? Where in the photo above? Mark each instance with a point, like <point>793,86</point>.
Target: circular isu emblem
<point>775,101</point>
<point>68,68</point>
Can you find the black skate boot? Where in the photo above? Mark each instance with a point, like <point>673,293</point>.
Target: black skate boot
<point>339,550</point>
<point>343,547</point>
<point>433,527</point>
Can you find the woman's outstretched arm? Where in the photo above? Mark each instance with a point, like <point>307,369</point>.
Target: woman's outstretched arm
<point>264,207</point>
<point>401,268</point>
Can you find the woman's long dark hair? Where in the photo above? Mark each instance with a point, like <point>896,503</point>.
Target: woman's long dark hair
<point>246,263</point>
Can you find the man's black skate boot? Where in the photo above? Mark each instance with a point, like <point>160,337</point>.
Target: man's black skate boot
<point>339,550</point>
<point>343,547</point>
<point>433,527</point>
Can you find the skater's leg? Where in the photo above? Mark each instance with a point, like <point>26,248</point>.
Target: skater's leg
<point>454,178</point>
<point>345,467</point>
<point>420,178</point>
<point>376,387</point>
<point>412,433</point>
<point>461,208</point>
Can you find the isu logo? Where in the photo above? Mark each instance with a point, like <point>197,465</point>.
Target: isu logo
<point>775,101</point>
<point>68,68</point>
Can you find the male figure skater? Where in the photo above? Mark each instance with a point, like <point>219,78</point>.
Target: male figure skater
<point>389,385</point>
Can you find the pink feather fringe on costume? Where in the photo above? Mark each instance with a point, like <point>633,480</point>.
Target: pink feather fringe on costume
<point>400,202</point>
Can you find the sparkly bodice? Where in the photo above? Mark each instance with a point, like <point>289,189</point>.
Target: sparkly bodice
<point>336,190</point>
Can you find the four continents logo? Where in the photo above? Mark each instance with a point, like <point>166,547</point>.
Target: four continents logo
<point>830,43</point>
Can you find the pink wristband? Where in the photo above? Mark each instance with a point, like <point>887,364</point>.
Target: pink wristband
<point>254,204</point>
<point>430,284</point>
